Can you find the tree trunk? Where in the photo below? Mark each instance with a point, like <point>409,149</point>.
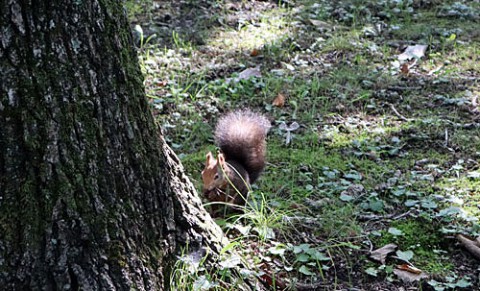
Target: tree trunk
<point>91,197</point>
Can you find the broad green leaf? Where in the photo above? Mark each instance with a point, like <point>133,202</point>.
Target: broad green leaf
<point>301,248</point>
<point>372,272</point>
<point>353,175</point>
<point>346,197</point>
<point>376,205</point>
<point>450,211</point>
<point>318,255</point>
<point>330,174</point>
<point>303,257</point>
<point>463,283</point>
<point>410,203</point>
<point>404,256</point>
<point>305,270</point>
<point>398,192</point>
<point>395,231</point>
<point>429,204</point>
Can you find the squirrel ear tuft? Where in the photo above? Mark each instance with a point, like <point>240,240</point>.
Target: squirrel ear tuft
<point>210,159</point>
<point>221,159</point>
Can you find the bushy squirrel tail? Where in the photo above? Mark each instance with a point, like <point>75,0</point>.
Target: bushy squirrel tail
<point>240,135</point>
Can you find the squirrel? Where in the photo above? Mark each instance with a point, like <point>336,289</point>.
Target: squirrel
<point>240,136</point>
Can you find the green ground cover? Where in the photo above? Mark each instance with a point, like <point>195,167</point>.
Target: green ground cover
<point>386,96</point>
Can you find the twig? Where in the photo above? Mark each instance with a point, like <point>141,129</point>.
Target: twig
<point>311,287</point>
<point>435,70</point>
<point>446,136</point>
<point>402,215</point>
<point>473,125</point>
<point>369,243</point>
<point>475,104</point>
<point>379,217</point>
<point>400,88</point>
<point>397,113</point>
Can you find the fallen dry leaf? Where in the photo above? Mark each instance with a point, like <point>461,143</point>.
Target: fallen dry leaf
<point>413,51</point>
<point>319,23</point>
<point>162,83</point>
<point>279,101</point>
<point>254,53</point>
<point>380,255</point>
<point>250,72</point>
<point>409,268</point>
<point>409,277</point>
<point>270,279</point>
<point>246,74</point>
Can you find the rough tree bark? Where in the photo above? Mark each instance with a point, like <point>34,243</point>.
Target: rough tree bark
<point>91,197</point>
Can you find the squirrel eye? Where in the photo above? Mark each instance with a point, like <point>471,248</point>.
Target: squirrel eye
<point>216,176</point>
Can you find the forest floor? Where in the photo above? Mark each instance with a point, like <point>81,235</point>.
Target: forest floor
<point>380,182</point>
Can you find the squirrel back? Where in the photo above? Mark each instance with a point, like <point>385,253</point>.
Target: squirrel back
<point>240,135</point>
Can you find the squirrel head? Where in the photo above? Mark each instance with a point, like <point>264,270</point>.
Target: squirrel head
<point>213,175</point>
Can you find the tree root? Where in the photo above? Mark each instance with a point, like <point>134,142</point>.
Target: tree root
<point>473,246</point>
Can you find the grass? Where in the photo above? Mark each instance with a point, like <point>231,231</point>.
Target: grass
<point>376,148</point>
<point>420,235</point>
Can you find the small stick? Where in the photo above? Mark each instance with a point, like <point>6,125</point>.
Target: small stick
<point>446,136</point>
<point>397,113</point>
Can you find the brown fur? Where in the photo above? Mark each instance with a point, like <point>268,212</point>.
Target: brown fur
<point>240,135</point>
